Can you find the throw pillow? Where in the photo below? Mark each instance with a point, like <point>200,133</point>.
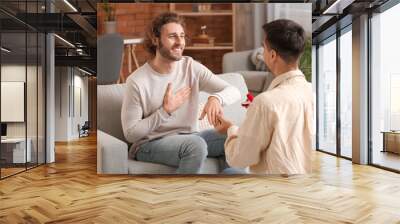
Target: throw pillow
<point>257,58</point>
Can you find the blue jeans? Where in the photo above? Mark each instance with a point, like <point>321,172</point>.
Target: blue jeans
<point>187,152</point>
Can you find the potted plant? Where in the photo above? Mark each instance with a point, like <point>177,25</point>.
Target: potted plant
<point>305,61</point>
<point>110,25</point>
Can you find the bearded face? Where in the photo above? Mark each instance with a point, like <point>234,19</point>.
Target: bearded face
<point>172,41</point>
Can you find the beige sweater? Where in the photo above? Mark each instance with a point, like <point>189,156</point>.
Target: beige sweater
<point>143,117</point>
<point>276,135</point>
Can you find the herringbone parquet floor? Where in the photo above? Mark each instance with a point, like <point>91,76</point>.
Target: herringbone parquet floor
<point>70,191</point>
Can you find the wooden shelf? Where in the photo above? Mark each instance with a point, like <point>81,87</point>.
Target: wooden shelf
<point>220,22</point>
<point>211,13</point>
<point>209,48</point>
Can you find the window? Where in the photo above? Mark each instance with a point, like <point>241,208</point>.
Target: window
<point>22,77</point>
<point>385,89</point>
<point>346,93</point>
<point>327,96</point>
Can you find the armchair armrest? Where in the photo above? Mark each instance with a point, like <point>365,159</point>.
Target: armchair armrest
<point>112,154</point>
<point>237,61</point>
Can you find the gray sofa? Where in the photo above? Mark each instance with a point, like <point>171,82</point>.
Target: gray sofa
<point>112,148</point>
<point>240,62</point>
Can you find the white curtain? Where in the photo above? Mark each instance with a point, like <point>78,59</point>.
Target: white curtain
<point>267,12</point>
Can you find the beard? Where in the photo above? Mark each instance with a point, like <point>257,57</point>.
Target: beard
<point>166,53</point>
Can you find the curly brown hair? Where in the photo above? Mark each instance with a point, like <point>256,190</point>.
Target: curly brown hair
<point>154,30</point>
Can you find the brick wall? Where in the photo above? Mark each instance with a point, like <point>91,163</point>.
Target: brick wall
<point>132,20</point>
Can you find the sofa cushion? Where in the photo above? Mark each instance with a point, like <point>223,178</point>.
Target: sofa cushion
<point>109,103</point>
<point>234,112</point>
<point>237,61</point>
<point>254,80</point>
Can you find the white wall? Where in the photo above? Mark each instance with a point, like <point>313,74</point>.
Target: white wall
<point>61,103</point>
<point>69,85</point>
<point>79,117</point>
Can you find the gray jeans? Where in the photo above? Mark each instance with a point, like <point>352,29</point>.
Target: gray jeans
<point>187,152</point>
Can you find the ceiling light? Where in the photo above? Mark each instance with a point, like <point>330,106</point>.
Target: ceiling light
<point>337,7</point>
<point>5,50</point>
<point>84,71</point>
<point>79,51</point>
<point>65,41</point>
<point>70,5</point>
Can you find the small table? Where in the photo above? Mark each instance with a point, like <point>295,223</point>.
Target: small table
<point>131,45</point>
<point>13,150</point>
<point>391,141</point>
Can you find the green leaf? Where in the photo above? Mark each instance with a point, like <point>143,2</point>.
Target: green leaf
<point>305,61</point>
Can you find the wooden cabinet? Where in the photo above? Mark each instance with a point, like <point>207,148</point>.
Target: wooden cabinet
<point>391,141</point>
<point>219,20</point>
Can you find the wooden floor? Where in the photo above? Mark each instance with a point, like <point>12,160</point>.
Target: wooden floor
<point>10,171</point>
<point>387,159</point>
<point>70,191</point>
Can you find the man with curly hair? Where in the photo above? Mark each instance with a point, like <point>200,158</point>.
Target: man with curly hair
<point>159,111</point>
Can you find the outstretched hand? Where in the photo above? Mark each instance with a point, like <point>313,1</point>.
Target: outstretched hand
<point>212,109</point>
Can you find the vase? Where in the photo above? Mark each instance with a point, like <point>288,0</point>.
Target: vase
<point>110,26</point>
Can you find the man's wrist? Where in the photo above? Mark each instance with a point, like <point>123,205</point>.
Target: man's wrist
<point>232,130</point>
<point>215,98</point>
<point>166,111</point>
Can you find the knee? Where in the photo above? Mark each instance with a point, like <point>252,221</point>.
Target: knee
<point>195,146</point>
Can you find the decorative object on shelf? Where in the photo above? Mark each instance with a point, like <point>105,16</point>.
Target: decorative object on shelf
<point>110,25</point>
<point>204,7</point>
<point>195,7</point>
<point>203,39</point>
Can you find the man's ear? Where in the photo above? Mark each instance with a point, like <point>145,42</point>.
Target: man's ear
<point>273,54</point>
<point>154,40</point>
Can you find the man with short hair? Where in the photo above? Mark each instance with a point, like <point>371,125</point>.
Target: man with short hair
<point>276,135</point>
<point>160,107</point>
